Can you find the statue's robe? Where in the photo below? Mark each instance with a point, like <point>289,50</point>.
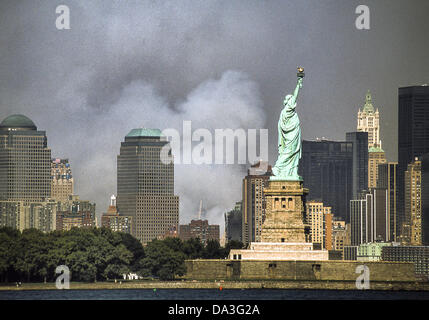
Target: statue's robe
<point>289,143</point>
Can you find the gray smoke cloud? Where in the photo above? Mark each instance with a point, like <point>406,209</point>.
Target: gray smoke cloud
<point>127,64</point>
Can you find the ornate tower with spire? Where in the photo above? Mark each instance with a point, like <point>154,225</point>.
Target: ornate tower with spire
<point>369,121</point>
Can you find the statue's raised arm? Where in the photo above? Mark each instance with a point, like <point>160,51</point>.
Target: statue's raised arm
<point>289,140</point>
<point>296,91</point>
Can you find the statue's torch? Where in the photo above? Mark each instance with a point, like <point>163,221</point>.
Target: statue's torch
<point>300,73</point>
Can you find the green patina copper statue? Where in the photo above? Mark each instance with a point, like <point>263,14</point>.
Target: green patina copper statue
<point>289,141</point>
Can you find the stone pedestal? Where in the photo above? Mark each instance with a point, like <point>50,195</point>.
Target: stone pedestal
<point>285,212</point>
<point>284,232</point>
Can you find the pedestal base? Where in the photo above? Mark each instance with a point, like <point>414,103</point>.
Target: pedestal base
<point>285,212</point>
<point>279,251</point>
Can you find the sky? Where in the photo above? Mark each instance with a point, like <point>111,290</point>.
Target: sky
<point>220,64</point>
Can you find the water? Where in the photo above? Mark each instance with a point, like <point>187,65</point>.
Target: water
<point>212,294</point>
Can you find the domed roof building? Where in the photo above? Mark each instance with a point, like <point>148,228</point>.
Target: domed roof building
<point>25,169</point>
<point>17,122</point>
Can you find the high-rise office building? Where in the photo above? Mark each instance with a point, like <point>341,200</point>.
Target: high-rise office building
<point>387,179</point>
<point>412,225</point>
<point>369,218</point>
<point>413,133</point>
<point>368,121</point>
<point>360,161</point>
<point>25,161</point>
<point>425,198</point>
<point>62,180</point>
<point>145,184</point>
<point>327,170</point>
<point>319,218</point>
<point>376,156</point>
<point>233,223</point>
<point>253,203</point>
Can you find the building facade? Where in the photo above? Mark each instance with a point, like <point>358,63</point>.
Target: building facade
<point>145,184</point>
<point>114,221</point>
<point>376,156</point>
<point>371,251</point>
<point>25,161</point>
<point>75,213</point>
<point>368,120</point>
<point>327,170</point>
<point>340,236</point>
<point>319,218</point>
<point>38,215</point>
<point>233,223</point>
<point>413,134</point>
<point>369,217</point>
<point>387,179</point>
<point>412,225</point>
<point>200,229</point>
<point>62,180</point>
<point>360,161</point>
<point>253,201</point>
<point>419,255</point>
<point>12,214</point>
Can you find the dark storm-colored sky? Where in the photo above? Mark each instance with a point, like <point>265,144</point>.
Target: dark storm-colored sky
<point>221,64</point>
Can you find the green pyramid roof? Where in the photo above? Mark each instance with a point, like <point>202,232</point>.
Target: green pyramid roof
<point>143,132</point>
<point>368,107</point>
<point>375,149</point>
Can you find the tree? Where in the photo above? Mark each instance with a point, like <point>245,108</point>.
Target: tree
<point>213,250</point>
<point>7,252</point>
<point>162,262</point>
<point>118,262</point>
<point>135,247</point>
<point>193,248</point>
<point>30,248</point>
<point>80,267</point>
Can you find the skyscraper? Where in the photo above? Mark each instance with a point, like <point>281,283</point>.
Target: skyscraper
<point>327,170</point>
<point>412,225</point>
<point>62,180</point>
<point>25,161</point>
<point>368,121</point>
<point>387,179</point>
<point>425,199</point>
<point>253,202</point>
<point>376,156</point>
<point>233,223</point>
<point>319,218</point>
<point>145,184</point>
<point>369,220</point>
<point>360,161</point>
<point>413,133</point>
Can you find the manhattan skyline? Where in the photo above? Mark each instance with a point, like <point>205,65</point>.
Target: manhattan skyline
<point>121,67</point>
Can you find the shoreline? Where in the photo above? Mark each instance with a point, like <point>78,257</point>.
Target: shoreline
<point>245,284</point>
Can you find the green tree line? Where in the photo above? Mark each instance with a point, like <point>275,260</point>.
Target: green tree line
<point>97,254</point>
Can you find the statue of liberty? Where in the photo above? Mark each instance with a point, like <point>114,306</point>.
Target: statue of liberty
<point>289,140</point>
